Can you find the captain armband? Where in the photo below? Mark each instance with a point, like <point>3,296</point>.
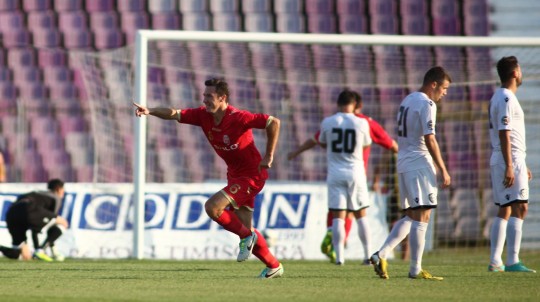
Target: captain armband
<point>269,121</point>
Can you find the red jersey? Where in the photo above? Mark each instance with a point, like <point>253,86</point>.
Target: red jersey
<point>378,135</point>
<point>232,139</point>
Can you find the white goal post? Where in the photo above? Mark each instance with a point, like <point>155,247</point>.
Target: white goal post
<point>141,74</point>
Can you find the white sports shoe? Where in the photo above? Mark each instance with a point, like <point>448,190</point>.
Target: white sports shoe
<point>246,246</point>
<point>268,273</point>
<point>56,255</point>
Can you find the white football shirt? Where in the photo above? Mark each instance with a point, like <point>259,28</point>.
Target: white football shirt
<point>505,113</point>
<point>345,136</point>
<point>416,118</point>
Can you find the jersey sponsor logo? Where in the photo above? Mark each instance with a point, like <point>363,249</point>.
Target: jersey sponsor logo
<point>226,148</point>
<point>505,120</point>
<point>216,129</point>
<point>226,139</point>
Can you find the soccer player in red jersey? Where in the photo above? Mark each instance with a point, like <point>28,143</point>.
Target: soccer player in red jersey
<point>380,137</point>
<point>228,131</point>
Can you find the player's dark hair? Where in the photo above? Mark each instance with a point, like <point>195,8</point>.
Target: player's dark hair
<point>222,88</point>
<point>436,74</point>
<point>506,66</point>
<point>55,184</point>
<point>347,97</point>
<point>358,97</point>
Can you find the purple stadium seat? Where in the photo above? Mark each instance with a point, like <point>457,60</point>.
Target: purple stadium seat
<point>26,74</point>
<point>68,5</point>
<point>108,38</point>
<point>72,123</point>
<point>8,91</point>
<point>290,23</point>
<point>104,20</point>
<point>272,94</point>
<point>67,108</point>
<point>327,57</point>
<point>417,61</point>
<point>257,6</point>
<point>193,6</point>
<point>444,8</point>
<point>446,26</point>
<point>259,22</point>
<point>41,19</point>
<point>235,56</point>
<point>47,37</point>
<point>383,7</point>
<point>5,74</point>
<point>99,5</point>
<point>352,24</point>
<point>413,8</point>
<point>217,6</point>
<point>321,23</point>
<point>131,5</point>
<point>9,5</point>
<point>78,39</point>
<point>328,96</point>
<point>163,6</point>
<point>265,56</point>
<point>353,7</point>
<point>296,56</point>
<point>11,20</point>
<point>2,56</point>
<point>288,6</point>
<point>319,7</point>
<point>53,75</point>
<point>476,26</point>
<point>52,57</point>
<point>196,21</point>
<point>415,25</point>
<point>72,20</point>
<point>34,91</point>
<point>36,5</point>
<point>227,22</point>
<point>384,24</point>
<point>63,90</point>
<point>24,56</point>
<point>166,20</point>
<point>16,38</point>
<point>134,20</point>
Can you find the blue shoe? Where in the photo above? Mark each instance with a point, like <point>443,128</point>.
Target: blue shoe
<point>246,246</point>
<point>518,267</point>
<point>495,268</point>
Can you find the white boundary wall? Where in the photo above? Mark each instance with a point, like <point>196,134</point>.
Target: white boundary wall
<point>176,226</point>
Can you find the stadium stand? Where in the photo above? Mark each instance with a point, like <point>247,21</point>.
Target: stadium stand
<point>37,37</point>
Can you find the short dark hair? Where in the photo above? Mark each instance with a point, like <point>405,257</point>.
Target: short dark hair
<point>55,184</point>
<point>347,97</point>
<point>436,74</point>
<point>506,66</point>
<point>222,88</point>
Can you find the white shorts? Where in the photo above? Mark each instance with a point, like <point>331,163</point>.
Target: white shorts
<point>519,191</point>
<point>348,195</point>
<point>418,189</point>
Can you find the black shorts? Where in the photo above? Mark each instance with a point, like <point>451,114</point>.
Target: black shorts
<point>21,217</point>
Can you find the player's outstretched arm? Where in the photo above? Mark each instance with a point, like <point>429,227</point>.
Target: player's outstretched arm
<point>163,113</point>
<point>435,152</point>
<point>272,135</point>
<point>308,144</point>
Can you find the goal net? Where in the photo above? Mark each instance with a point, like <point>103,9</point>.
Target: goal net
<point>297,77</point>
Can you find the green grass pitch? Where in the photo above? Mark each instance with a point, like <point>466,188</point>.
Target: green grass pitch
<point>464,270</point>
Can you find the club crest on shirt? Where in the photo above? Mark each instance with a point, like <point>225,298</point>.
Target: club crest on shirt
<point>505,120</point>
<point>507,196</point>
<point>416,199</point>
<point>210,136</point>
<point>226,140</point>
<point>430,125</point>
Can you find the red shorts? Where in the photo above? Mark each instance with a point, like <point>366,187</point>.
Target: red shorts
<point>241,192</point>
